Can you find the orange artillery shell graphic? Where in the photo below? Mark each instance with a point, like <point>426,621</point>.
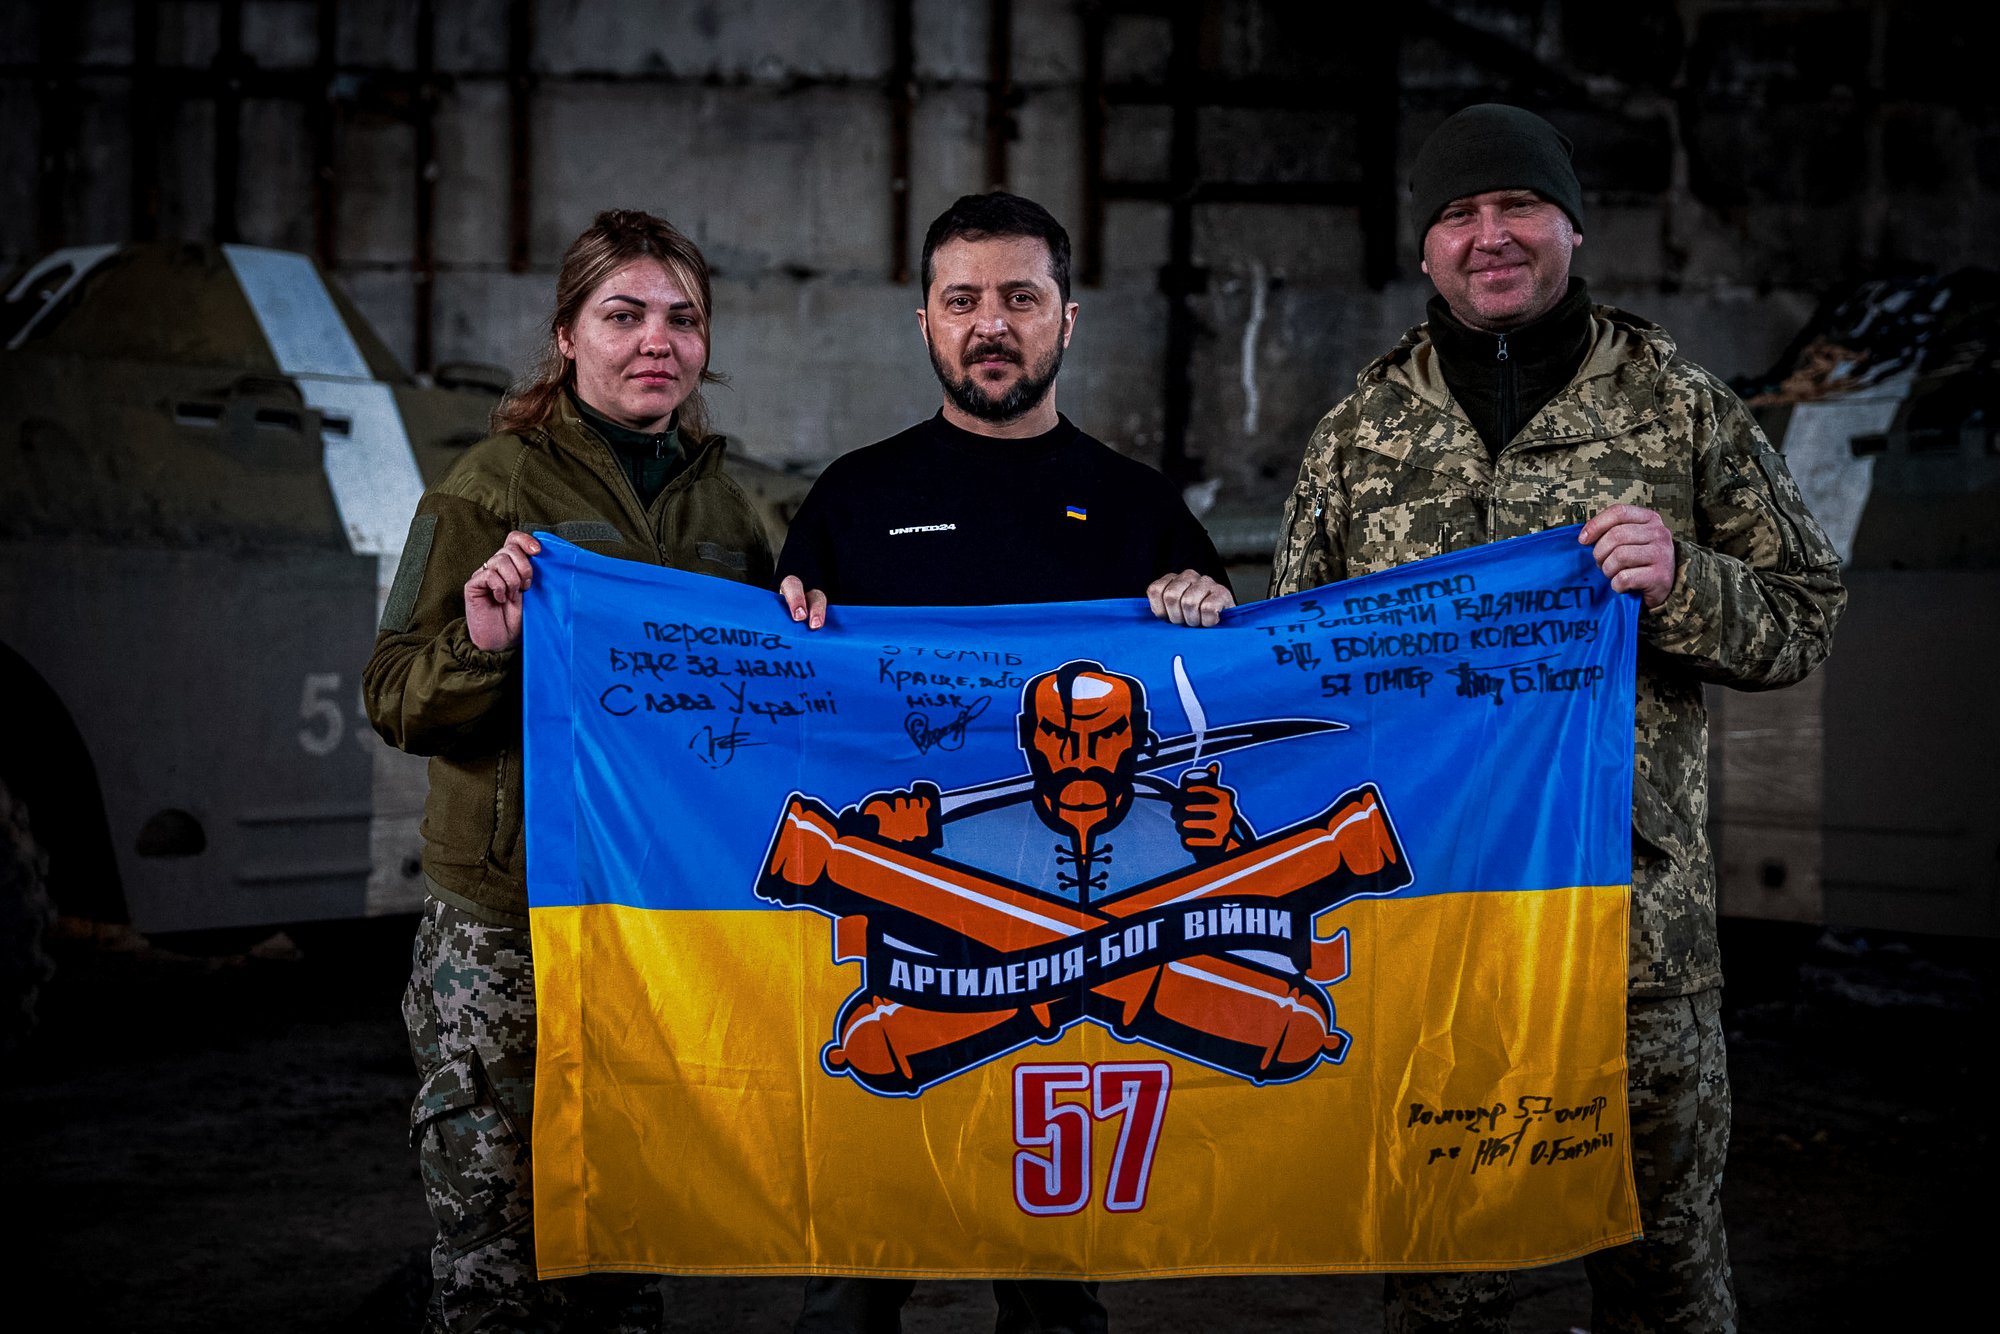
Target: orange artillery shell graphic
<point>1199,937</point>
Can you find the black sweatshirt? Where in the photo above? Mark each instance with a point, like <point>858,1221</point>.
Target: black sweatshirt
<point>938,516</point>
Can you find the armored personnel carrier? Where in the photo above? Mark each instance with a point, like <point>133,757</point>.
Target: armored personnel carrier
<point>208,462</point>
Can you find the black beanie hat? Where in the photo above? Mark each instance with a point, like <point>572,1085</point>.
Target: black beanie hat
<point>1492,147</point>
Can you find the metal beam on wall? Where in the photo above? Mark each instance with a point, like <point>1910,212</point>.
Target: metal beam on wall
<point>1090,247</point>
<point>55,104</point>
<point>228,71</point>
<point>1378,129</point>
<point>1000,93</point>
<point>323,118</point>
<point>1187,90</point>
<point>142,118</point>
<point>901,87</point>
<point>423,257</point>
<point>520,132</point>
<point>1180,279</point>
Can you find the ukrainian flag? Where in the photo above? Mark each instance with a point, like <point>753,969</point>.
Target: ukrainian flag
<point>829,981</point>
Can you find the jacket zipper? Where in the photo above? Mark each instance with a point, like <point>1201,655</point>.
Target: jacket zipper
<point>622,485</point>
<point>1509,397</point>
<point>683,480</point>
<point>1508,406</point>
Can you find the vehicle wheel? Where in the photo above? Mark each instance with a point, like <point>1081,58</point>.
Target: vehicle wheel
<point>26,914</point>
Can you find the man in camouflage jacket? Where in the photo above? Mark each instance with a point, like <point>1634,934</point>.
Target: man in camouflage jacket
<point>1518,407</point>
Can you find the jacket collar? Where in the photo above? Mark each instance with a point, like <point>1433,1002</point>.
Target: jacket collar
<point>1617,390</point>
<point>566,430</point>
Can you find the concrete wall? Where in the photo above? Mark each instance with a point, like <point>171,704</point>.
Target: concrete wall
<point>1743,158</point>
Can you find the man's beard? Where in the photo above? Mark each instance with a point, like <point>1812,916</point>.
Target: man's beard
<point>1025,395</point>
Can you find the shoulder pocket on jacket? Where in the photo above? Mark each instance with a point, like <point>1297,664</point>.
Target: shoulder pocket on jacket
<point>1804,538</point>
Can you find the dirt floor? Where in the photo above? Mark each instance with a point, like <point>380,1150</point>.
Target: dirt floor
<point>208,1137</point>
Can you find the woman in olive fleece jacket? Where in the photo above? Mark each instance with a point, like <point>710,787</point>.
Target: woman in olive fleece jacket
<point>605,447</point>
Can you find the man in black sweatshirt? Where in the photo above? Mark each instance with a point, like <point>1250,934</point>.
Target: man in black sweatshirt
<point>996,499</point>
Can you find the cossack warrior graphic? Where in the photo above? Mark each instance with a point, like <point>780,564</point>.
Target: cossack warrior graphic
<point>978,932</point>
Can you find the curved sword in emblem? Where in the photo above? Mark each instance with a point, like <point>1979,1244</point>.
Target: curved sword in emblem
<point>1166,753</point>
<point>1190,705</point>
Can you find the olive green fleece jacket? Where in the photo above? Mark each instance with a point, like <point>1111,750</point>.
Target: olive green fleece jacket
<point>429,691</point>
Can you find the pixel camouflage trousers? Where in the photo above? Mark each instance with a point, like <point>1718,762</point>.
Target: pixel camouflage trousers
<point>1677,1276</point>
<point>470,1010</point>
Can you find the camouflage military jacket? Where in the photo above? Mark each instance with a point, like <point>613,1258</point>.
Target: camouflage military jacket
<point>1397,472</point>
<point>430,691</point>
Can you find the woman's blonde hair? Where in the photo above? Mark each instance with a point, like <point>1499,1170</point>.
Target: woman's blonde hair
<point>615,238</point>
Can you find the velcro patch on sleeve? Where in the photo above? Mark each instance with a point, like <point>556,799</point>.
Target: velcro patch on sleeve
<point>402,603</point>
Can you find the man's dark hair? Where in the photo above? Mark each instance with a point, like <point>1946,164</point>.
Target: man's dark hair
<point>990,216</point>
